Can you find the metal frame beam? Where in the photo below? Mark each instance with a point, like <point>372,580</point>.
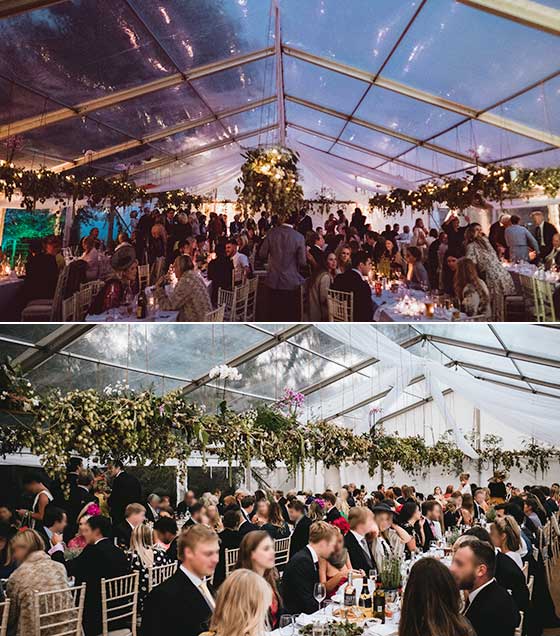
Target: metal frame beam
<point>118,97</point>
<point>504,374</point>
<point>381,129</point>
<point>424,96</point>
<point>160,163</point>
<point>9,8</point>
<point>161,134</point>
<point>367,151</point>
<point>251,353</point>
<point>48,346</point>
<point>526,12</point>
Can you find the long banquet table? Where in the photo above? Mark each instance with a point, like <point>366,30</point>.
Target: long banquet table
<point>385,308</point>
<point>118,316</point>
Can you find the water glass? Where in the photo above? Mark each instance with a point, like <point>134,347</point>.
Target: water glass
<point>287,625</point>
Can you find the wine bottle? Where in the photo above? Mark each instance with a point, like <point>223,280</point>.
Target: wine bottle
<point>142,308</point>
<point>379,604</point>
<point>349,592</point>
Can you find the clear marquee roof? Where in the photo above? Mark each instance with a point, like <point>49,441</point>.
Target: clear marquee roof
<point>412,88</point>
<point>339,380</point>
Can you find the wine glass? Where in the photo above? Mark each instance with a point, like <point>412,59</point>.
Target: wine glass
<point>358,586</point>
<point>372,580</point>
<point>319,593</point>
<point>286,625</point>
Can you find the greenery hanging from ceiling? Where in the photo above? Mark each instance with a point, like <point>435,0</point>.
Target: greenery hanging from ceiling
<point>493,183</point>
<point>269,181</point>
<point>144,427</point>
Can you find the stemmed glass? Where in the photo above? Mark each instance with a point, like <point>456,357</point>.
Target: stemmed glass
<point>286,625</point>
<point>359,586</point>
<point>372,580</point>
<point>319,593</point>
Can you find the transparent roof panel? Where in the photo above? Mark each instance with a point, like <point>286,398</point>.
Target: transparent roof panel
<point>253,119</point>
<point>74,51</point>
<point>546,159</point>
<point>404,114</point>
<point>17,102</point>
<point>191,139</point>
<point>203,31</point>
<point>361,158</point>
<point>321,86</point>
<point>530,339</point>
<point>313,119</point>
<point>238,86</point>
<point>310,140</point>
<point>366,40</point>
<point>373,140</point>
<point>507,52</point>
<point>27,333</point>
<point>434,161</point>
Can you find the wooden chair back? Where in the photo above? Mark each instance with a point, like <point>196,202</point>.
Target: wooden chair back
<point>157,269</point>
<point>340,306</point>
<point>69,309</point>
<point>143,275</point>
<point>282,550</point>
<point>160,573</point>
<point>225,300</point>
<point>216,316</point>
<point>251,305</point>
<point>232,555</point>
<point>83,300</point>
<point>119,603</point>
<point>4,615</point>
<point>528,290</point>
<point>59,612</point>
<point>545,301</point>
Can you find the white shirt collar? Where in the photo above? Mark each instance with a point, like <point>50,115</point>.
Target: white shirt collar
<point>358,272</point>
<point>48,532</point>
<point>313,553</point>
<point>102,539</point>
<point>84,487</point>
<point>474,593</point>
<point>359,537</point>
<point>195,580</point>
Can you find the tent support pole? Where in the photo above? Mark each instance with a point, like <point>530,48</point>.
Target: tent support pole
<point>279,75</point>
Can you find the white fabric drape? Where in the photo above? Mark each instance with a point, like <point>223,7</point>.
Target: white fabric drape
<point>529,414</point>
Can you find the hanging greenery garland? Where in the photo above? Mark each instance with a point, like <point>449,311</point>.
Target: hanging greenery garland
<point>143,427</point>
<point>269,181</point>
<point>494,183</point>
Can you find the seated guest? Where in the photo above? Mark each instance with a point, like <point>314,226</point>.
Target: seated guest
<point>41,273</point>
<point>506,536</point>
<point>409,520</point>
<point>330,508</point>
<point>352,280</point>
<point>152,507</point>
<point>36,571</point>
<point>78,542</point>
<point>100,559</point>
<point>343,255</point>
<point>134,515</point>
<point>122,240</point>
<point>214,518</point>
<point>269,518</point>
<point>229,540</point>
<point>430,605</point>
<point>322,277</point>
<point>7,561</point>
<point>189,500</point>
<point>386,251</point>
<point>552,260</point>
<point>531,508</point>
<point>489,608</point>
<point>507,574</point>
<point>471,290</point>
<point>165,529</point>
<point>301,523</point>
<point>431,523</point>
<point>91,256</point>
<point>256,553</point>
<point>302,571</point>
<point>333,572</point>
<point>198,515</point>
<point>54,522</point>
<point>467,509</point>
<point>416,274</point>
<point>388,538</point>
<point>447,274</point>
<point>143,555</point>
<point>121,282</point>
<point>241,606</point>
<point>220,272</point>
<point>165,606</point>
<point>480,503</point>
<point>361,525</point>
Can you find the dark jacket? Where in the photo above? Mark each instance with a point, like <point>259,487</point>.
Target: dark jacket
<point>300,576</point>
<point>332,514</point>
<point>300,535</point>
<point>122,533</point>
<point>100,561</point>
<point>175,608</point>
<point>247,527</point>
<point>277,532</point>
<point>358,557</point>
<point>510,577</point>
<point>493,612</point>
<point>125,489</point>
<point>229,540</point>
<point>351,281</point>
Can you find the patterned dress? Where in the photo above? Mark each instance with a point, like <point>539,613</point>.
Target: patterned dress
<point>499,281</point>
<point>190,297</point>
<point>136,565</point>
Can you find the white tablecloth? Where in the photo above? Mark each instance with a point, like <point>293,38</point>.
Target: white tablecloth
<point>117,316</point>
<point>384,308</point>
<point>10,287</point>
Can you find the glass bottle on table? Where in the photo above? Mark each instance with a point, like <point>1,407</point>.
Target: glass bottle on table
<point>379,604</point>
<point>142,306</point>
<point>350,591</point>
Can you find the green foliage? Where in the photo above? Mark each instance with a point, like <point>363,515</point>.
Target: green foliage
<point>269,181</point>
<point>335,628</point>
<point>495,183</point>
<point>390,573</point>
<point>158,479</point>
<point>179,200</point>
<point>20,225</point>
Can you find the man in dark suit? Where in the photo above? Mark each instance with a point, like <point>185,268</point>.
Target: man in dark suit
<point>352,280</point>
<point>54,523</point>
<point>165,529</point>
<point>361,523</point>
<point>331,510</point>
<point>100,559</point>
<point>282,501</point>
<point>125,489</point>
<point>305,224</point>
<point>489,607</point>
<point>302,571</point>
<point>80,494</point>
<point>543,232</point>
<point>507,572</point>
<point>183,604</point>
<point>134,515</point>
<point>479,495</point>
<point>302,523</point>
<point>247,505</point>
<point>432,522</point>
<point>230,539</point>
<point>189,500</point>
<point>152,507</point>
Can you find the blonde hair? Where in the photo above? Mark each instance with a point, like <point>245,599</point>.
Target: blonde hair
<point>507,526</point>
<point>242,605</point>
<point>358,516</point>
<point>28,539</point>
<point>321,531</point>
<point>133,509</point>
<point>142,543</point>
<point>194,535</point>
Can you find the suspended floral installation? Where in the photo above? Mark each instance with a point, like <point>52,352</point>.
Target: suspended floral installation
<point>493,183</point>
<point>146,428</point>
<point>269,181</point>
